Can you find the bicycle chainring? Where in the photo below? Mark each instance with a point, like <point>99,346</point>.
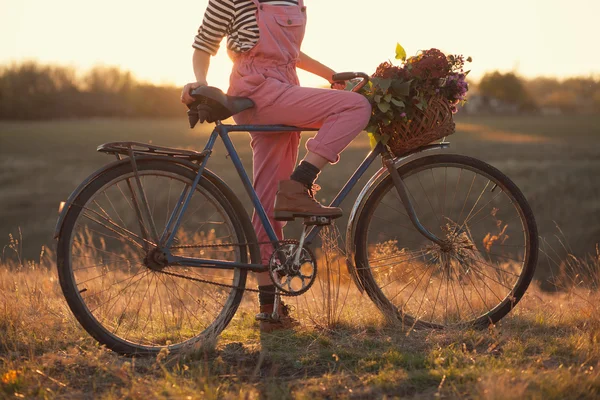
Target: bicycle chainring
<point>290,277</point>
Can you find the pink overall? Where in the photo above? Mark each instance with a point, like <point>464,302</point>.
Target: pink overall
<point>267,75</point>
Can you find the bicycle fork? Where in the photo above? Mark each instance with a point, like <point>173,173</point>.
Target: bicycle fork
<point>400,186</point>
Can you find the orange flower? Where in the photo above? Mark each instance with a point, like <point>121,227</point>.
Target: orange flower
<point>10,378</point>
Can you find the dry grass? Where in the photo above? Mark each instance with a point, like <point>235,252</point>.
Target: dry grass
<point>546,348</point>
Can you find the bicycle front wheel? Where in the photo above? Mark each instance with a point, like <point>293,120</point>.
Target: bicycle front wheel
<point>119,295</point>
<point>490,250</point>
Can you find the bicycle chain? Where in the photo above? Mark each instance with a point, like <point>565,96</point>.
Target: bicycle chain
<point>279,242</point>
<point>200,246</point>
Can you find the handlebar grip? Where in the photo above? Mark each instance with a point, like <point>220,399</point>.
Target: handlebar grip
<point>346,76</point>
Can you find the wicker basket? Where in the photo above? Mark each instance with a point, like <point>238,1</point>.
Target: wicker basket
<point>426,126</point>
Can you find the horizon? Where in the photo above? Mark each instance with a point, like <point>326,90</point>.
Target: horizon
<point>156,45</point>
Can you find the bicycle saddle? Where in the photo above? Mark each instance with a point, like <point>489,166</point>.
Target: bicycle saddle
<point>213,105</point>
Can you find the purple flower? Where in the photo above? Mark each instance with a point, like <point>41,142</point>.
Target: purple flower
<point>403,115</point>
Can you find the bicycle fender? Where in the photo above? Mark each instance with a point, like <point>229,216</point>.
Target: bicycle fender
<point>108,167</point>
<point>359,204</point>
<point>352,220</point>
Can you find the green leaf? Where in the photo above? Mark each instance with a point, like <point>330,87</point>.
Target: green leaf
<point>383,84</point>
<point>398,103</point>
<point>421,105</point>
<point>372,129</point>
<point>400,52</point>
<point>350,85</point>
<point>401,88</point>
<point>387,97</point>
<point>377,98</point>
<point>384,107</point>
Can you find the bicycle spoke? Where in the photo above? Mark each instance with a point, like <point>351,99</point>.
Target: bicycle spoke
<point>441,289</point>
<point>420,279</point>
<point>115,210</point>
<point>467,197</point>
<point>128,302</point>
<point>425,291</point>
<point>456,187</point>
<point>437,296</point>
<point>125,294</point>
<point>475,205</point>
<point>428,201</point>
<point>96,294</point>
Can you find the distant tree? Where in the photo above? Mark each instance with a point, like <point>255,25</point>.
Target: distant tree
<point>506,87</point>
<point>30,90</point>
<point>572,95</point>
<point>102,79</point>
<point>542,87</point>
<point>33,91</point>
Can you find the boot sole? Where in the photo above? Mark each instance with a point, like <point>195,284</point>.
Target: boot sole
<point>290,215</point>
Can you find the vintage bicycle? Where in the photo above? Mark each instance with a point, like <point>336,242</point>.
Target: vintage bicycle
<point>154,248</point>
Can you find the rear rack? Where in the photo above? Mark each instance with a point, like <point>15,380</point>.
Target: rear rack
<point>129,148</point>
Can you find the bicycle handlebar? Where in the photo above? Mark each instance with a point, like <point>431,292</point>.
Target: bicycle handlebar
<point>346,76</point>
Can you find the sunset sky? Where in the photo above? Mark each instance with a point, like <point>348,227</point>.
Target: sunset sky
<point>153,38</point>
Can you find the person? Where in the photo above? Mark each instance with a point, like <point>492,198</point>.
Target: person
<point>264,38</point>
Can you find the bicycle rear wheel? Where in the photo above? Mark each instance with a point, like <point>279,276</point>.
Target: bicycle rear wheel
<point>125,301</point>
<point>483,271</point>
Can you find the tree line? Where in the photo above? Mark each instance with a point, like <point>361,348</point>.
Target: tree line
<point>574,95</point>
<point>30,91</point>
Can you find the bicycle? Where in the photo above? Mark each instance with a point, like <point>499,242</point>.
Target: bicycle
<point>154,248</point>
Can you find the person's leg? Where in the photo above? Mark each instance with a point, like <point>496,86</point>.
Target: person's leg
<point>340,116</point>
<point>274,156</point>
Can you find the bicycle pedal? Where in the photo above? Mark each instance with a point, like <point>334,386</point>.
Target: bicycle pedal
<point>263,316</point>
<point>318,221</point>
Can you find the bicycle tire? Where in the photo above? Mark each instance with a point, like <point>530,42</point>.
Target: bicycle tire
<point>213,187</point>
<point>364,269</point>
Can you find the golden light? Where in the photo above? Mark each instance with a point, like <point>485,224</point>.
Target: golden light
<point>153,39</point>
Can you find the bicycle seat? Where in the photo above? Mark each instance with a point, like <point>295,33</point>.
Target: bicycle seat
<point>213,105</point>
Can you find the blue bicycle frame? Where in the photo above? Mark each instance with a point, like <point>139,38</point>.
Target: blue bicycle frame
<point>223,131</point>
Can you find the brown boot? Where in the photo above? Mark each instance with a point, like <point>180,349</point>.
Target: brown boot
<point>268,324</point>
<point>296,200</point>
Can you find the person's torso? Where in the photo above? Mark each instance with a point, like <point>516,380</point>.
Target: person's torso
<point>243,32</point>
<point>270,65</point>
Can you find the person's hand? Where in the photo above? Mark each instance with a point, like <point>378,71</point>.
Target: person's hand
<point>338,85</point>
<point>186,98</point>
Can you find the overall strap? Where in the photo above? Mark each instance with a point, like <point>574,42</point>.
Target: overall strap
<point>301,3</point>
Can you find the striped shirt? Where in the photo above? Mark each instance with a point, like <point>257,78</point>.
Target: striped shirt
<point>235,19</point>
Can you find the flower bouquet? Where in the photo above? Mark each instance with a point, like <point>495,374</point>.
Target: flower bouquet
<point>413,103</point>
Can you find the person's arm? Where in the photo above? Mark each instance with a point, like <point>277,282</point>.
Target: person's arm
<point>313,66</point>
<point>200,62</point>
<point>218,18</point>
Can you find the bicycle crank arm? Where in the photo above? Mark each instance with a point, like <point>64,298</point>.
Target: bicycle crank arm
<point>410,210</point>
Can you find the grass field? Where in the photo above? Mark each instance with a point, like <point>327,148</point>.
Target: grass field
<point>552,159</point>
<point>545,348</point>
